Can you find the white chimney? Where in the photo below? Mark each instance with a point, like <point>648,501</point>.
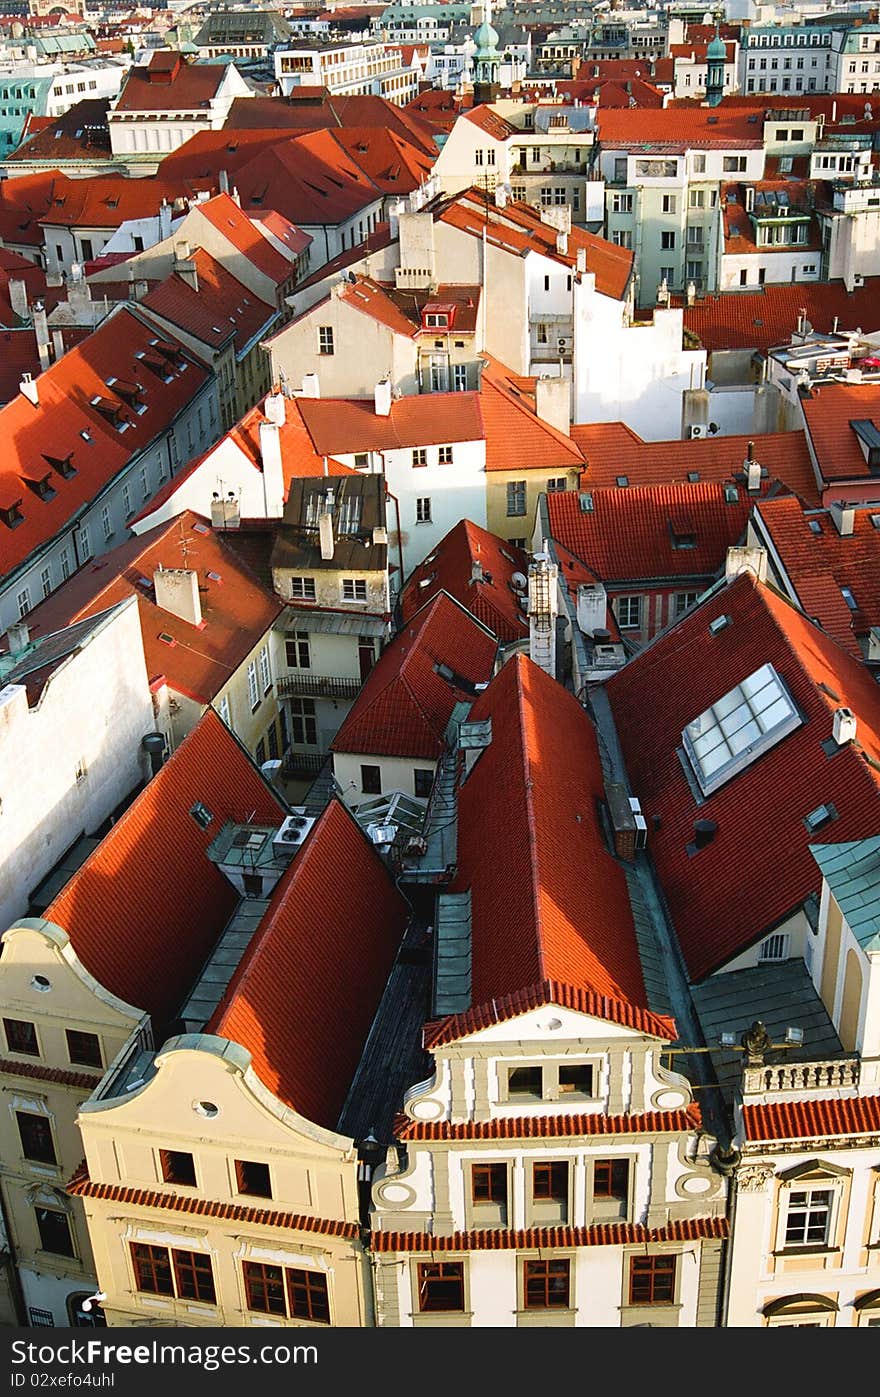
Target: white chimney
<point>691,293</point>
<point>581,259</point>
<point>501,191</point>
<point>225,513</point>
<point>752,469</point>
<point>382,397</point>
<point>845,726</point>
<point>592,608</point>
<point>28,386</point>
<point>543,608</point>
<point>273,470</point>
<point>275,409</point>
<point>476,570</point>
<point>18,298</point>
<point>745,559</point>
<point>311,388</point>
<point>164,220</point>
<point>177,591</point>
<point>325,533</point>
<point>844,516</point>
<point>553,402</point>
<point>562,243</point>
<point>58,344</point>
<point>17,637</point>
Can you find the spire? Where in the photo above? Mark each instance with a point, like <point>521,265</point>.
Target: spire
<point>486,58</point>
<point>716,58</point>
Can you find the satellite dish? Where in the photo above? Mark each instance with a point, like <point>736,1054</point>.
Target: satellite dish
<point>519,581</point>
<point>713,428</point>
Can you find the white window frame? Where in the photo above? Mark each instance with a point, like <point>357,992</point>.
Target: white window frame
<point>253,686</point>
<point>265,669</point>
<point>625,604</point>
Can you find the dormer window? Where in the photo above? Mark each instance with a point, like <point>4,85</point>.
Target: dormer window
<point>11,514</point>
<point>131,393</point>
<point>63,465</point>
<point>110,410</point>
<point>41,485</point>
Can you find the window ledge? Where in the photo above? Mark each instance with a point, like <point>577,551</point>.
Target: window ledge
<point>807,1251</point>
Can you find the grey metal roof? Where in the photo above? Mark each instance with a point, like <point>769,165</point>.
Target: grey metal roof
<point>780,994</point>
<point>336,623</point>
<point>452,939</point>
<point>214,980</point>
<point>852,872</point>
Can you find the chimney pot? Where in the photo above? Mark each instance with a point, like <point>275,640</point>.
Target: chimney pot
<point>845,726</point>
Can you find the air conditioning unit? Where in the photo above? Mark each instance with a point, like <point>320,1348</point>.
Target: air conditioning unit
<point>562,343</point>
<point>292,833</point>
<point>698,430</point>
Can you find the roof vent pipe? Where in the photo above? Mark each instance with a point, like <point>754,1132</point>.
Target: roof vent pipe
<point>704,833</point>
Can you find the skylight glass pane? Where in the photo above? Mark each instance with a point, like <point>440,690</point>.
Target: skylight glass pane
<point>738,727</point>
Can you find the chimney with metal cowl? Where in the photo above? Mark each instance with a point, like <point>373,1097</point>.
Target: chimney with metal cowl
<point>845,726</point>
<point>177,591</point>
<point>704,833</point>
<point>225,513</point>
<point>153,747</point>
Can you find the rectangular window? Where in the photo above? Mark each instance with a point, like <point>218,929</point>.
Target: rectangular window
<point>577,1079</point>
<point>699,164</point>
<point>667,241</point>
<point>193,1276</point>
<point>23,602</point>
<point>264,1288</point>
<point>441,1286</point>
<point>371,780</point>
<point>683,602</point>
<point>294,1294</point>
<point>516,497</point>
<point>556,484</point>
<point>444,456</point>
<point>46,582</point>
<point>774,947</point>
<point>808,1219</point>
<point>546,1284</point>
<point>307,1296</point>
<point>65,564</point>
<point>178,1167</point>
<point>186,1275</point>
<point>697,199</point>
<point>21,1037</point>
<point>741,725</point>
<point>253,1178</point>
<point>423,781</point>
<point>253,686</point>
<point>652,1280</point>
<point>36,1137</point>
<point>297,651</point>
<point>550,1182</point>
<point>304,726</point>
<point>459,378</point>
<point>489,1184</point>
<point>84,1048</point>
<point>420,456</point>
<point>525,1082</point>
<point>622,237</point>
<point>423,510</point>
<point>54,1229</point>
<point>734,164</point>
<point>325,339</point>
<point>106,522</point>
<point>145,482</point>
<point>302,588</point>
<point>621,203</point>
<point>667,274</point>
<point>265,669</point>
<point>628,611</point>
<point>355,588</point>
<point>668,203</point>
<point>611,1179</point>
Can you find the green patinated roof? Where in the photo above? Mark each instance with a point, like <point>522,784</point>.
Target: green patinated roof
<point>852,872</point>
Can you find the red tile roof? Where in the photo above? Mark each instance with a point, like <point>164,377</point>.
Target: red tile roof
<point>518,228</point>
<point>392,162</point>
<point>362,110</point>
<point>81,1186</point>
<point>85,1081</point>
<point>371,299</point>
<point>552,918</point>
<point>681,127</point>
<point>187,87</point>
<point>341,426</point>
<point>487,120</point>
<point>552,1127</point>
<point>23,202</point>
<point>611,449</point>
<point>145,910</point>
<point>609,1234</point>
<point>761,319</point>
<point>659,70</point>
<point>404,705</point>
<point>236,610</point>
<point>631,533</point>
<point>739,231</point>
<point>450,568</point>
<point>244,232</point>
<point>516,437</point>
<point>303,999</point>
<point>819,564</point>
<point>738,887</point>
<point>106,201</point>
<point>311,180</point>
<point>38,435</point>
<point>812,1119</point>
<point>829,411</point>
<point>221,307</point>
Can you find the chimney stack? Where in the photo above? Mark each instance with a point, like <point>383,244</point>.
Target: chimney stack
<point>845,726</point>
<point>41,330</point>
<point>58,344</point>
<point>311,388</point>
<point>28,386</point>
<point>17,637</point>
<point>746,559</point>
<point>382,397</point>
<point>844,517</point>
<point>224,181</point>
<point>275,408</point>
<point>704,833</point>
<point>752,469</point>
<point>273,470</point>
<point>184,264</point>
<point>325,530</point>
<point>476,570</point>
<point>18,298</point>
<point>177,591</point>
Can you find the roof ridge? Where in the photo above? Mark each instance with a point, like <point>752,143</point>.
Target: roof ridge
<point>519,663</point>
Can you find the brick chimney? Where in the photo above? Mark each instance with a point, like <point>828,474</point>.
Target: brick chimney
<point>177,591</point>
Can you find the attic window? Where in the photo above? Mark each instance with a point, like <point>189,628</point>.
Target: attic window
<point>86,436</point>
<point>875,520</point>
<point>682,533</point>
<point>200,529</point>
<point>731,494</point>
<point>42,487</point>
<point>822,815</point>
<point>11,514</point>
<point>63,465</point>
<point>623,481</point>
<point>739,727</point>
<point>585,500</point>
<point>201,814</point>
<point>694,477</point>
<point>718,624</point>
<point>849,599</point>
<point>815,526</point>
<point>167,639</point>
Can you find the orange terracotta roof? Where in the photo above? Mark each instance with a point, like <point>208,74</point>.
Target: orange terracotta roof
<point>609,1234</point>
<point>311,180</point>
<point>341,426</point>
<point>518,228</point>
<point>394,164</point>
<point>81,1186</point>
<point>675,679</point>
<point>761,319</point>
<point>490,123</point>
<point>368,297</point>
<point>145,910</point>
<point>552,919</point>
<point>617,69</point>
<point>450,568</point>
<point>812,1119</point>
<point>243,231</point>
<point>196,661</point>
<point>221,308</point>
<point>682,127</point>
<point>611,450</point>
<point>829,412</point>
<point>40,437</point>
<point>83,1080</point>
<point>516,437</point>
<point>404,705</point>
<point>634,533</point>
<point>106,201</point>
<point>553,1127</point>
<point>739,232</point>
<point>303,999</point>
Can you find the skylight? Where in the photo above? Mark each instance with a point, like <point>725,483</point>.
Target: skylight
<point>749,720</point>
<point>849,599</point>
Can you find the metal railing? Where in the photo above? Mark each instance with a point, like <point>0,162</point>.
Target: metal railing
<point>317,686</point>
<point>302,763</point>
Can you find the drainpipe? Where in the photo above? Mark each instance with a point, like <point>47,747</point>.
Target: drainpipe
<point>399,541</point>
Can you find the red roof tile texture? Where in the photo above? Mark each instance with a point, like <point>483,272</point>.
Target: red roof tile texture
<point>611,1234</point>
<point>554,1127</point>
<point>738,887</point>
<point>404,705</point>
<point>762,319</point>
<point>341,426</point>
<point>304,997</point>
<point>37,436</point>
<point>243,232</point>
<point>552,919</point>
<point>812,1120</point>
<point>217,309</point>
<point>37,1072</point>
<point>474,567</point>
<point>516,437</point>
<point>236,610</point>
<point>683,127</point>
<point>145,910</point>
<point>611,449</point>
<point>635,533</point>
<point>829,412</point>
<point>81,1186</point>
<point>188,87</point>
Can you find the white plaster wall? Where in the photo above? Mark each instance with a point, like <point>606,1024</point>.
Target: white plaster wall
<point>797,928</point>
<point>777,266</point>
<point>456,491</point>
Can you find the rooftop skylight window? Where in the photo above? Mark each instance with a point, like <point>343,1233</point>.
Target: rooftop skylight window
<point>815,526</point>
<point>849,599</point>
<point>738,728</point>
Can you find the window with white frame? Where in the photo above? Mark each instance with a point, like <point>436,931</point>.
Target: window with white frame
<point>628,611</point>
<point>621,203</point>
<point>253,685</point>
<point>84,543</point>
<point>325,339</point>
<point>774,947</point>
<point>106,522</point>
<point>556,484</point>
<point>423,510</point>
<point>302,588</point>
<point>683,602</point>
<point>265,669</point>
<point>65,563</point>
<point>355,588</point>
<point>459,378</point>
<point>739,727</point>
<point>23,601</point>
<point>46,581</point>
<point>223,710</point>
<point>808,1217</point>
